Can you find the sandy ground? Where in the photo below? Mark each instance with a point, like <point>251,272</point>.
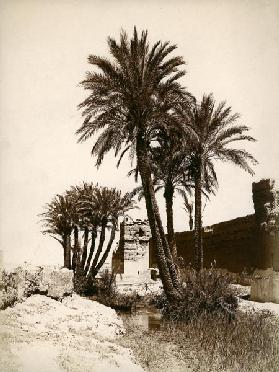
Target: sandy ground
<point>45,335</point>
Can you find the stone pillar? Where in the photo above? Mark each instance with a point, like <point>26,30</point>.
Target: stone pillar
<point>265,283</point>
<point>136,247</point>
<point>265,198</point>
<point>132,255</point>
<point>266,203</point>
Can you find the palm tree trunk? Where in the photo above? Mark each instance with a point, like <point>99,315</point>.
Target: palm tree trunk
<point>92,248</point>
<point>84,250</point>
<point>198,220</point>
<point>153,216</point>
<point>105,255</point>
<point>100,246</point>
<point>173,268</point>
<point>168,195</point>
<point>67,250</point>
<point>76,250</point>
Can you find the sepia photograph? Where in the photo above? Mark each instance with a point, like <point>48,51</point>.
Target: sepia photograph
<point>139,186</point>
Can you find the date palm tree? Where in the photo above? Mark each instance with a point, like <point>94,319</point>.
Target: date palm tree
<point>88,209</point>
<point>169,167</point>
<point>116,205</point>
<point>91,221</point>
<point>129,98</point>
<point>209,131</point>
<point>58,223</point>
<point>109,205</point>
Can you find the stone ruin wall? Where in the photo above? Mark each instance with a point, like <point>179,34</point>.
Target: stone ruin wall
<point>242,244</point>
<point>132,255</point>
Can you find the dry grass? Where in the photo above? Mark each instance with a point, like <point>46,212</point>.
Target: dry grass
<point>210,343</point>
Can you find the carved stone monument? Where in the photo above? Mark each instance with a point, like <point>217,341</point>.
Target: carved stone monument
<point>131,259</point>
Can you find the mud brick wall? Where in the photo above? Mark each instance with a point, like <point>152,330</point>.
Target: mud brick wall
<point>242,244</point>
<point>232,245</point>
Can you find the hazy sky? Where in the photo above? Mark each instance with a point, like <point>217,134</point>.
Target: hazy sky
<point>231,49</point>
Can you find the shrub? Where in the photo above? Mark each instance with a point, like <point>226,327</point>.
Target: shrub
<point>8,290</point>
<point>108,295</point>
<point>207,291</point>
<point>107,284</point>
<point>84,286</point>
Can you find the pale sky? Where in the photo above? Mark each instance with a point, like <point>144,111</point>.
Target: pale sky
<point>231,49</point>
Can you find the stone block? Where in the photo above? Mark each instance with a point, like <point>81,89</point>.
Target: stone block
<point>265,286</point>
<point>21,282</point>
<point>57,282</point>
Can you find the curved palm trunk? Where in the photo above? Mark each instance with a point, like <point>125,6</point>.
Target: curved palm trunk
<point>173,268</point>
<point>154,217</point>
<point>92,248</point>
<point>105,255</point>
<point>198,221</point>
<point>84,250</point>
<point>100,246</point>
<point>168,195</point>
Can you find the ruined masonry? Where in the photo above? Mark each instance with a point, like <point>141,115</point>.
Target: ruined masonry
<point>131,260</point>
<point>265,283</point>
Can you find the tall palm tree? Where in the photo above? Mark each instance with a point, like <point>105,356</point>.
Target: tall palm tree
<point>128,99</point>
<point>169,167</point>
<point>209,130</point>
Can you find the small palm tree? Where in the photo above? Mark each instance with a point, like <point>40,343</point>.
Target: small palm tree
<point>117,206</point>
<point>128,99</point>
<point>209,130</point>
<point>58,223</point>
<point>91,221</point>
<point>88,209</point>
<point>110,205</point>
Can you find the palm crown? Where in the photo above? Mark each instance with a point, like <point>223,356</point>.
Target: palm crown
<point>212,129</point>
<point>133,92</point>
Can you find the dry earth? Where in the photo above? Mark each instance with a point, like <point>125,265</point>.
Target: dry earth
<point>44,335</point>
